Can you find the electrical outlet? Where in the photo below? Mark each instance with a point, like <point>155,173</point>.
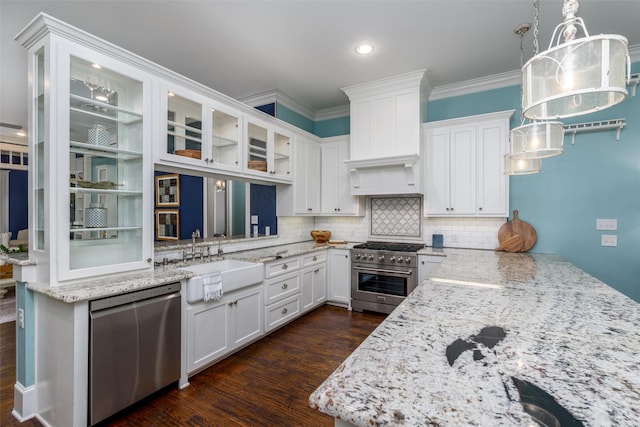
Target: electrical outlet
<point>21,318</point>
<point>606,224</point>
<point>254,219</point>
<point>609,240</point>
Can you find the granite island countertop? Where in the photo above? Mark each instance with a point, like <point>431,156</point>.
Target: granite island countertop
<point>428,363</point>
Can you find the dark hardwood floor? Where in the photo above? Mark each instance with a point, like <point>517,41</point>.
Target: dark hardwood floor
<point>265,384</point>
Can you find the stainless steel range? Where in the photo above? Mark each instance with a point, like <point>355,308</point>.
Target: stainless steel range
<point>382,275</point>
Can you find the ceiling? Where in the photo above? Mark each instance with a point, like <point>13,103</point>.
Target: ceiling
<point>304,49</point>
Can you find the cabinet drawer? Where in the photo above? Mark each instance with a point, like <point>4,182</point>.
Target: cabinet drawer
<point>282,312</point>
<point>282,266</point>
<point>314,258</point>
<point>281,287</point>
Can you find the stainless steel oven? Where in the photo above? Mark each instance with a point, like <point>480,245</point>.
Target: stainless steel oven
<point>382,275</point>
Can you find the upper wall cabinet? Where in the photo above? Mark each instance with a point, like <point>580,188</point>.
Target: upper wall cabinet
<point>464,166</point>
<point>336,196</point>
<point>303,197</point>
<point>198,132</point>
<point>91,176</point>
<point>268,151</point>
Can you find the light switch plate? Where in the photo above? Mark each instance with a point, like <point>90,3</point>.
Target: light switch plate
<point>254,219</point>
<point>609,240</point>
<point>606,224</point>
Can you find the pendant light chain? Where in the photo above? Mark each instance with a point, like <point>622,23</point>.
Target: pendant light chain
<point>536,14</point>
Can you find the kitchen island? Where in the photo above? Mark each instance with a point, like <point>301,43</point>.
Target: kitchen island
<point>486,331</point>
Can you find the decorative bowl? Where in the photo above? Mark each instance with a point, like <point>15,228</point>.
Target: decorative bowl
<point>321,236</point>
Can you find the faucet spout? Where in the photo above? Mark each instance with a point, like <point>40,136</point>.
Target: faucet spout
<point>220,251</point>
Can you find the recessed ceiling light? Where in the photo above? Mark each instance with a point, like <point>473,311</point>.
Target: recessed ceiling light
<point>364,49</point>
<point>96,66</point>
<point>21,133</point>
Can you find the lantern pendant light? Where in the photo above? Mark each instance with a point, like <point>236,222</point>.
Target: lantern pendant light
<point>520,166</point>
<point>531,142</point>
<point>577,76</point>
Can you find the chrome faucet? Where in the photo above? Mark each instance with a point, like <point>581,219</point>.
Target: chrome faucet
<point>220,251</point>
<point>195,235</point>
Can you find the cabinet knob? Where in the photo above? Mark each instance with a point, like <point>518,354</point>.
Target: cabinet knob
<point>284,310</point>
<point>285,286</point>
<point>480,208</point>
<point>149,260</point>
<point>285,266</point>
<point>206,160</point>
<point>315,271</point>
<point>315,258</point>
<point>309,209</point>
<point>230,303</point>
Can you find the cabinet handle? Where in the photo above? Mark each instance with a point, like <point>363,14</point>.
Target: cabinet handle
<point>230,303</point>
<point>206,160</point>
<point>315,271</point>
<point>284,310</point>
<point>309,209</point>
<point>285,286</point>
<point>285,266</point>
<point>235,302</point>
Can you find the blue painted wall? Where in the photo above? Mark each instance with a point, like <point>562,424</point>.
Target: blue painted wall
<point>598,177</point>
<point>333,127</point>
<point>298,120</point>
<point>263,204</point>
<point>18,202</point>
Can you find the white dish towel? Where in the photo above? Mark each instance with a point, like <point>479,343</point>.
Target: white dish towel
<point>212,286</point>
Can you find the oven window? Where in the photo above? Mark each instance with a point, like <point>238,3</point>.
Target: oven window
<point>382,284</point>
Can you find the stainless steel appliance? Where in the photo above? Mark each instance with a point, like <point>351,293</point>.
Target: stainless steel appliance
<point>383,274</point>
<point>134,347</point>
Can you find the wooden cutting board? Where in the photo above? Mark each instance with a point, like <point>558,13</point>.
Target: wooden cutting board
<point>509,230</point>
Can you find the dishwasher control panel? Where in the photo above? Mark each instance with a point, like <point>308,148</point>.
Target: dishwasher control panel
<point>116,300</point>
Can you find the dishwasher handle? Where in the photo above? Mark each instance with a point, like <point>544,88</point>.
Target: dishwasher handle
<point>130,297</point>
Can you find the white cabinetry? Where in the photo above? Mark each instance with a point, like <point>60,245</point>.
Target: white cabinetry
<point>339,277</point>
<point>217,328</point>
<point>268,151</point>
<point>336,196</point>
<point>464,168</point>
<point>314,280</point>
<point>293,285</point>
<point>427,264</point>
<point>303,197</point>
<point>90,172</point>
<point>199,132</point>
<point>385,116</point>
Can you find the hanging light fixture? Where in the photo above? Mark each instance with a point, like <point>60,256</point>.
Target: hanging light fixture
<point>521,166</point>
<point>534,140</point>
<point>577,76</point>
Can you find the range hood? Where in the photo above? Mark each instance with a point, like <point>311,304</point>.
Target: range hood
<point>385,141</point>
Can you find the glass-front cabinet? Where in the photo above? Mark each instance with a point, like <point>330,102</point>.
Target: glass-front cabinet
<point>200,132</point>
<point>268,151</point>
<point>91,180</point>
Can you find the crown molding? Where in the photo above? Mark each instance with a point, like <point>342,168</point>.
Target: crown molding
<point>333,113</point>
<point>496,81</point>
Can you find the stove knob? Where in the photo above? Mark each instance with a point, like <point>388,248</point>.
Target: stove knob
<point>381,259</point>
<point>400,260</point>
<point>370,257</point>
<point>407,260</point>
<point>357,256</point>
<point>392,259</point>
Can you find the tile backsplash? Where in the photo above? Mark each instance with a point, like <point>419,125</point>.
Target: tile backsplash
<point>472,233</point>
<point>396,217</point>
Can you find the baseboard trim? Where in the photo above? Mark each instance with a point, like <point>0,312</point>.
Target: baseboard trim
<point>24,402</point>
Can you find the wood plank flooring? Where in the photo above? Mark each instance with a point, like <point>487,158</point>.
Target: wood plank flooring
<point>265,384</point>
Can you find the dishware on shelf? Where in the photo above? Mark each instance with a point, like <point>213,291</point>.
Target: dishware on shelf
<point>95,216</point>
<point>99,135</point>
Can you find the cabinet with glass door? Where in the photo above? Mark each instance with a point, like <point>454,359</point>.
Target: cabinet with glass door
<point>200,132</point>
<point>90,179</point>
<point>268,151</point>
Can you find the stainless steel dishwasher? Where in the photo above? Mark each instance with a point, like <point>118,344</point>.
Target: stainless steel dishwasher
<point>134,347</point>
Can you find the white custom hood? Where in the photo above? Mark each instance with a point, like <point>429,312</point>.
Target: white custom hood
<point>386,117</point>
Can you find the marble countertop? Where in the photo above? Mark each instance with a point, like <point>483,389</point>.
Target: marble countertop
<point>95,288</point>
<point>429,362</point>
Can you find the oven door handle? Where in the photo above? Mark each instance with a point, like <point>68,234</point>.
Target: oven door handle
<point>380,270</point>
